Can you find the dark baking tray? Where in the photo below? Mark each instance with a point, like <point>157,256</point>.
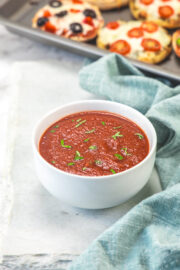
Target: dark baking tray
<point>17,16</point>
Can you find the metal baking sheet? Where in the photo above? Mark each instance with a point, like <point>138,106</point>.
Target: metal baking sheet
<point>17,16</point>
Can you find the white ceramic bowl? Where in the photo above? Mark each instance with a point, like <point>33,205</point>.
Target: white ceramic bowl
<point>101,191</point>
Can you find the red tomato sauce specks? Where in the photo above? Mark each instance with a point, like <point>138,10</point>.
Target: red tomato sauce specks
<point>94,143</point>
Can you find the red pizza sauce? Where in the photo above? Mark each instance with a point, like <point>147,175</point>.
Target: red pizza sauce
<point>94,143</point>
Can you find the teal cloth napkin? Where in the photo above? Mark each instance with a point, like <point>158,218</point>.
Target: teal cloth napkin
<point>148,236</point>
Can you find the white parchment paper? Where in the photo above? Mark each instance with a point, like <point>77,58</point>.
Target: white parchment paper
<point>40,223</point>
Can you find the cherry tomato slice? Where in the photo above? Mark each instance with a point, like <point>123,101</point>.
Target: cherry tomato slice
<point>77,1</point>
<point>121,47</point>
<point>113,25</point>
<point>47,13</point>
<point>151,45</point>
<point>50,27</point>
<point>90,33</point>
<point>74,10</point>
<point>146,2</point>
<point>64,32</point>
<point>166,11</point>
<point>149,27</point>
<point>135,32</point>
<point>88,20</point>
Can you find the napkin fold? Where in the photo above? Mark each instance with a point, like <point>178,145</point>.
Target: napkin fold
<point>148,236</point>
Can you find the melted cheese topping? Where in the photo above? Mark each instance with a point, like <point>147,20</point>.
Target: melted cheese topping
<point>63,23</point>
<point>109,36</point>
<point>153,9</point>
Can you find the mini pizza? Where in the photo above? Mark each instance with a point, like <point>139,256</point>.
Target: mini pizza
<point>72,19</point>
<point>176,42</point>
<point>165,13</point>
<point>143,41</point>
<point>108,4</point>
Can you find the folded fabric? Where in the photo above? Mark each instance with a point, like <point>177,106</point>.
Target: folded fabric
<point>148,236</point>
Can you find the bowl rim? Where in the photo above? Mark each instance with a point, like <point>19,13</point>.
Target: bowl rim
<point>103,177</point>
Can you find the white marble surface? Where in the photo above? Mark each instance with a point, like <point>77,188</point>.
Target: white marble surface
<point>18,49</point>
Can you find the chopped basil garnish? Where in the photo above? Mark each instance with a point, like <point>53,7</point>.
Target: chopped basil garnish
<point>113,171</point>
<point>90,131</point>
<point>86,140</point>
<point>124,149</point>
<point>56,126</point>
<point>98,162</point>
<point>117,135</point>
<point>84,168</point>
<point>63,145</point>
<point>70,164</point>
<point>118,156</point>
<point>103,123</point>
<point>80,123</point>
<point>139,135</point>
<point>78,156</point>
<point>116,127</point>
<point>93,147</point>
<point>178,42</point>
<point>52,131</point>
<point>53,162</point>
<point>72,120</point>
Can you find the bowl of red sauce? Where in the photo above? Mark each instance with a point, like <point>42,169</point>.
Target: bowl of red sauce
<point>94,154</point>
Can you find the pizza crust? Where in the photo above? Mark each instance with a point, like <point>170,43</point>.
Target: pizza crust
<point>76,37</point>
<point>155,57</point>
<point>108,4</point>
<point>142,14</point>
<point>174,38</point>
<point>145,56</point>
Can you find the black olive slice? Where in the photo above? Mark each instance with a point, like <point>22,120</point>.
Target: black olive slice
<point>89,13</point>
<point>76,28</point>
<point>55,3</point>
<point>42,21</point>
<point>62,13</point>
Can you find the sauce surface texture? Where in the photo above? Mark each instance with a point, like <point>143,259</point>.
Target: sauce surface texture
<point>94,143</point>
